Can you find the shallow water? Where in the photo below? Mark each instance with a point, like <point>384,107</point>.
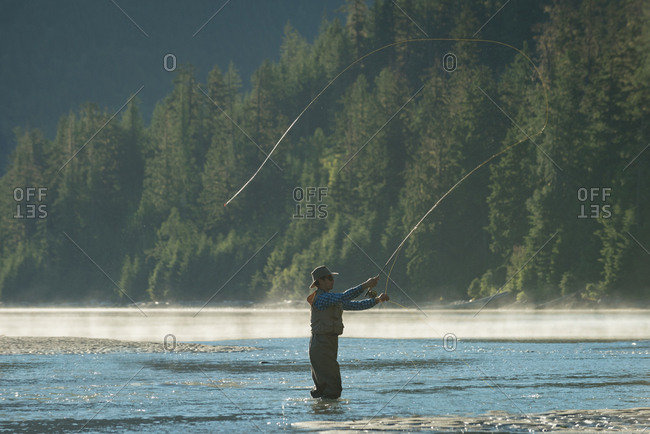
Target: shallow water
<point>268,389</point>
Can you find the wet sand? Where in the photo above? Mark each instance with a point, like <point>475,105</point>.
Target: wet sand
<point>77,345</point>
<point>629,420</point>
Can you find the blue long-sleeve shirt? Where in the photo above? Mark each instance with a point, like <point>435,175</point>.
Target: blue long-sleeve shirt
<point>327,299</point>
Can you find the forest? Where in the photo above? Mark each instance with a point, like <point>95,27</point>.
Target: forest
<point>115,210</point>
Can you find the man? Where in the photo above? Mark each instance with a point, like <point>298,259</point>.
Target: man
<point>326,326</point>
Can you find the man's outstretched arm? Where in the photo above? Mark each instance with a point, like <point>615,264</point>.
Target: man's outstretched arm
<point>365,304</point>
<point>328,299</point>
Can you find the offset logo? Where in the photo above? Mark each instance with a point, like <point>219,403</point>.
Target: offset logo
<point>29,203</point>
<point>449,342</point>
<point>592,203</point>
<point>169,342</point>
<point>169,62</point>
<point>449,62</point>
<point>309,202</point>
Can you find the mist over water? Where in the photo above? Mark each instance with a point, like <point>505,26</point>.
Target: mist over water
<point>212,324</point>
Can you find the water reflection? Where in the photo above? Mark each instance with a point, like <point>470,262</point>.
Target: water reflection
<point>329,407</point>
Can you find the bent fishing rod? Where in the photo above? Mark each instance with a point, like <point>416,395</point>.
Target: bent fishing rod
<point>395,253</point>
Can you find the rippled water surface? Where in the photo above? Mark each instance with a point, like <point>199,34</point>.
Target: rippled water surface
<point>268,388</point>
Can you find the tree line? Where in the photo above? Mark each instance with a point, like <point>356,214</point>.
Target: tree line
<point>135,212</point>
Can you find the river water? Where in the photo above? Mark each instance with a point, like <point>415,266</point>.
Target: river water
<point>386,372</point>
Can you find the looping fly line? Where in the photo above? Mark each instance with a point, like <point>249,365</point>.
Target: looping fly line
<point>461,180</point>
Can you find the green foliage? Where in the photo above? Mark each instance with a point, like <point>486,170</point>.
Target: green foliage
<point>488,284</point>
<point>386,141</point>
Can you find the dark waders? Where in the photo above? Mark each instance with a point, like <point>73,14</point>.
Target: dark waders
<point>326,326</point>
<point>323,350</point>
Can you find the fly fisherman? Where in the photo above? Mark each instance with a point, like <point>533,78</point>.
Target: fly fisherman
<point>326,326</point>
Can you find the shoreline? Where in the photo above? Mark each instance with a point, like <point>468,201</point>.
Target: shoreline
<point>16,345</point>
<point>631,419</point>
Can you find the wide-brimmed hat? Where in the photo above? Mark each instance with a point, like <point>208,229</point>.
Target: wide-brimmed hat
<point>319,272</point>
